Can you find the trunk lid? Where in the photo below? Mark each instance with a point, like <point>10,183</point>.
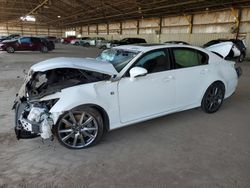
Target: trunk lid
<point>222,48</point>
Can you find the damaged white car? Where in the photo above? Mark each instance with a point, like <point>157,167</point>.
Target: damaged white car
<point>79,99</point>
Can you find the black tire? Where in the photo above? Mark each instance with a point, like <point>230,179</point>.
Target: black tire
<point>86,45</point>
<point>104,47</point>
<point>77,43</point>
<point>72,135</point>
<point>213,98</point>
<point>10,50</point>
<point>44,49</point>
<point>241,58</point>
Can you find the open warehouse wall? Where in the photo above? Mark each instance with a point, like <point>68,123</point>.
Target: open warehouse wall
<point>195,29</point>
<point>30,30</point>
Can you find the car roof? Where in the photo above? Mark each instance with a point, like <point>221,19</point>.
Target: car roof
<point>149,47</point>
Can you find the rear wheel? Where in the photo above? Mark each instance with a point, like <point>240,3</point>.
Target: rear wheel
<point>44,49</point>
<point>213,98</point>
<point>80,128</point>
<point>10,50</point>
<point>104,47</point>
<point>241,58</point>
<point>86,45</point>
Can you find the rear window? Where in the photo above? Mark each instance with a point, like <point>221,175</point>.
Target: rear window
<point>185,57</point>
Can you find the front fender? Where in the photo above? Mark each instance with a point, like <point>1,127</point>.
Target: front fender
<point>102,94</point>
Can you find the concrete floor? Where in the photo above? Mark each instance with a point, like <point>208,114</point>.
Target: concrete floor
<point>186,149</point>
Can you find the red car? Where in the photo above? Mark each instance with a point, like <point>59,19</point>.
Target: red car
<point>68,39</point>
<point>26,44</point>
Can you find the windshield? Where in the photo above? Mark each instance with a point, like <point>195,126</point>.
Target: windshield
<point>117,57</point>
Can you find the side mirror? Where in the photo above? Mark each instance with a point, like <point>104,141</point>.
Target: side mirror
<point>136,72</point>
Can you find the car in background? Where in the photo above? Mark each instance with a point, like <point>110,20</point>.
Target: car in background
<point>68,39</point>
<point>176,42</point>
<point>50,43</point>
<point>106,44</point>
<point>52,39</point>
<point>238,49</point>
<point>94,41</point>
<point>82,98</point>
<point>126,41</point>
<point>27,44</point>
<point>79,41</point>
<point>10,37</point>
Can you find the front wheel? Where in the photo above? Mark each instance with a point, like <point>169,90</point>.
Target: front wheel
<point>213,98</point>
<point>10,50</point>
<point>80,128</point>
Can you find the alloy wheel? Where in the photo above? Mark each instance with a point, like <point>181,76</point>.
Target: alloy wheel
<point>77,129</point>
<point>214,98</point>
<point>10,50</point>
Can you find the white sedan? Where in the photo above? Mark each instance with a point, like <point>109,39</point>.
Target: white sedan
<point>79,99</point>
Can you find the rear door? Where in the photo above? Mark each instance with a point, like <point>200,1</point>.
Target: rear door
<point>35,43</point>
<point>191,71</point>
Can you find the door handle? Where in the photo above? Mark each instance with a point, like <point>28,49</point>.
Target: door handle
<point>168,78</point>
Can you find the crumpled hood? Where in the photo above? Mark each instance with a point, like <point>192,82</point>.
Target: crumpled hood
<point>89,64</point>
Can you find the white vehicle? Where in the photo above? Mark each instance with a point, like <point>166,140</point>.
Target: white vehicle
<point>79,99</point>
<point>79,41</point>
<point>95,41</point>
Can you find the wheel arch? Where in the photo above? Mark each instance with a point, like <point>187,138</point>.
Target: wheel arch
<point>102,111</point>
<point>211,83</point>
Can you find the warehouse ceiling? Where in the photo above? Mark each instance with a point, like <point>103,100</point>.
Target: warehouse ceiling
<point>68,13</point>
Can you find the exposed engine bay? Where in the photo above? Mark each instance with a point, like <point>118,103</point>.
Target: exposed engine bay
<point>32,114</point>
<point>51,81</point>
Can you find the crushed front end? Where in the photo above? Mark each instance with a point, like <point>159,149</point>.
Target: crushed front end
<point>33,119</point>
<point>40,93</point>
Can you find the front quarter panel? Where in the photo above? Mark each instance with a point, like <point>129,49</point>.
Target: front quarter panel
<point>102,94</point>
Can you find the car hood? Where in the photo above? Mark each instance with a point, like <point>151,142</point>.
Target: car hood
<point>222,48</point>
<point>89,64</point>
<point>9,41</point>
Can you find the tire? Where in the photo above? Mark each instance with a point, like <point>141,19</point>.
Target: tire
<point>44,49</point>
<point>103,47</point>
<point>86,45</point>
<point>79,128</point>
<point>213,98</point>
<point>241,58</point>
<point>77,44</point>
<point>10,50</point>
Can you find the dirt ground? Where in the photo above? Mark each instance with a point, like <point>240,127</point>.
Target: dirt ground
<point>186,149</point>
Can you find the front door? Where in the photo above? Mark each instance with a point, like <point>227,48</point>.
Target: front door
<point>151,94</point>
<point>25,43</point>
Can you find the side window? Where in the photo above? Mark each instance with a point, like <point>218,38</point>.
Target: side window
<point>25,40</point>
<point>156,61</point>
<point>37,40</point>
<point>185,57</point>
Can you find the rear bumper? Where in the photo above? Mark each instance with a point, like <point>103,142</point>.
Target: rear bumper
<point>238,71</point>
